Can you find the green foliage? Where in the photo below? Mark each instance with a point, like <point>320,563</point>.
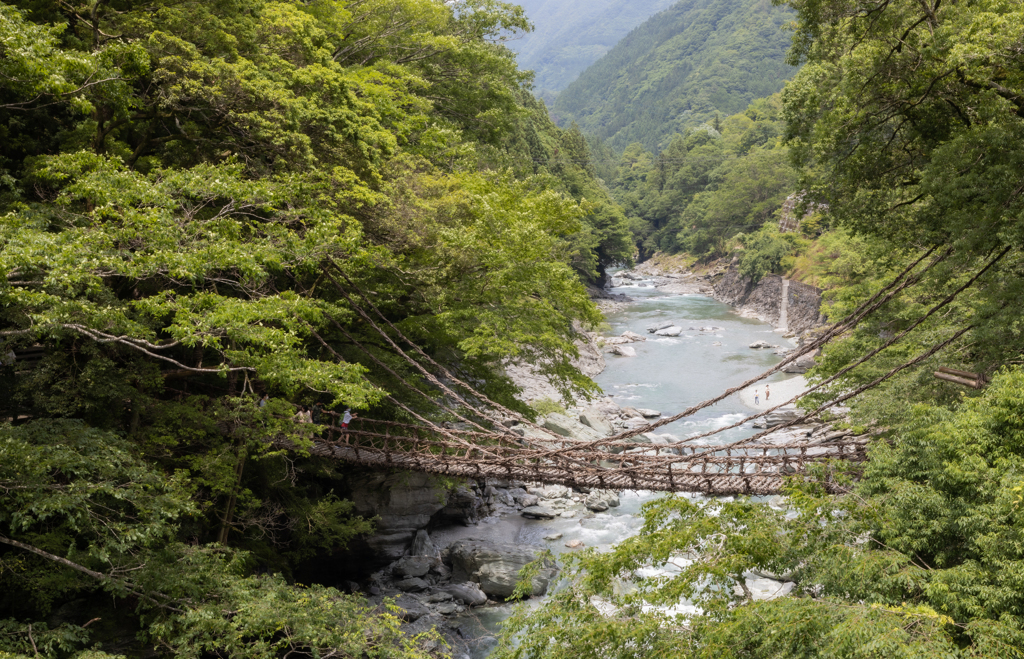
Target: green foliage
<point>682,67</point>
<point>921,558</point>
<point>709,185</point>
<point>188,191</point>
<point>764,251</point>
<point>544,406</point>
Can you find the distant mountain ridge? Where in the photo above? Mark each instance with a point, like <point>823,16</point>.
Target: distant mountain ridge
<point>570,35</point>
<point>685,65</point>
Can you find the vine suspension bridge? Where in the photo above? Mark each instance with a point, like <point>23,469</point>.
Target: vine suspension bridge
<point>619,462</point>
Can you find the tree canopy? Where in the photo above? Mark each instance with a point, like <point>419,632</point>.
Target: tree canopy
<point>193,195</point>
<point>678,69</point>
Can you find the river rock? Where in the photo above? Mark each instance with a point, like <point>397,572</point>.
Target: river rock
<point>468,593</point>
<point>801,365</point>
<point>422,546</point>
<point>648,413</point>
<point>675,330</point>
<point>551,491</point>
<point>633,336</point>
<point>412,585</point>
<point>567,427</point>
<point>758,345</point>
<point>601,500</point>
<point>402,502</point>
<point>660,325</point>
<point>495,566</point>
<point>596,421</point>
<point>615,340</point>
<point>464,506</point>
<point>411,608</point>
<point>623,351</point>
<point>527,500</point>
<point>447,608</point>
<point>413,566</point>
<point>777,418</point>
<point>538,512</point>
<point>573,544</point>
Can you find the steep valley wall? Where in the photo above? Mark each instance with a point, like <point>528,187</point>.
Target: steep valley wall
<point>764,299</point>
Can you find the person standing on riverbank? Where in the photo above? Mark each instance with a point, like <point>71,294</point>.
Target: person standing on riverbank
<point>756,400</point>
<point>767,393</point>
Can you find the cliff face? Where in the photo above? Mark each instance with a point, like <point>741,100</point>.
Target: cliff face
<point>765,299</point>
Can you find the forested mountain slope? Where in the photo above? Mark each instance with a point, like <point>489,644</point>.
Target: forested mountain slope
<point>570,35</point>
<point>681,67</point>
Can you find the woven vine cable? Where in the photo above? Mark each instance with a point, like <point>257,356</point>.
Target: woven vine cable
<point>427,374</point>
<point>869,306</point>
<point>485,431</point>
<point>895,339</point>
<point>851,320</point>
<point>431,424</point>
<point>519,417</point>
<point>856,392</point>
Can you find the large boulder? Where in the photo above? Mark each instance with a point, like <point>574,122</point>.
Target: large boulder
<point>633,336</point>
<point>413,566</point>
<point>660,325</point>
<point>422,546</point>
<point>596,421</point>
<point>468,593</point>
<point>538,512</point>
<point>551,491</point>
<point>801,365</point>
<point>568,427</point>
<point>412,609</point>
<point>674,330</point>
<point>464,506</point>
<point>495,566</point>
<point>403,503</point>
<point>623,351</point>
<point>601,500</point>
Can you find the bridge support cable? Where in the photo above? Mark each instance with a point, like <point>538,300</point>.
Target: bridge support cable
<point>447,373</point>
<point>899,283</point>
<point>711,450</point>
<point>895,339</point>
<point>439,429</point>
<point>470,446</point>
<point>389,370</point>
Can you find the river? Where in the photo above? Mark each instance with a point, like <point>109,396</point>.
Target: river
<point>668,374</point>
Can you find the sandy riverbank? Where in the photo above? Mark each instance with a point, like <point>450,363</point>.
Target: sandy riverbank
<point>781,391</point>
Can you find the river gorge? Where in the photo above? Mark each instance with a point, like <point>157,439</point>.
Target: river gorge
<point>664,374</point>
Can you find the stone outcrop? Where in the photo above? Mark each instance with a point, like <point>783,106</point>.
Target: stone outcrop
<point>464,506</point>
<point>764,299</point>
<point>495,566</point>
<point>403,504</point>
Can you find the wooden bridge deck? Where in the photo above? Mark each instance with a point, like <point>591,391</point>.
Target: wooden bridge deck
<point>757,469</point>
